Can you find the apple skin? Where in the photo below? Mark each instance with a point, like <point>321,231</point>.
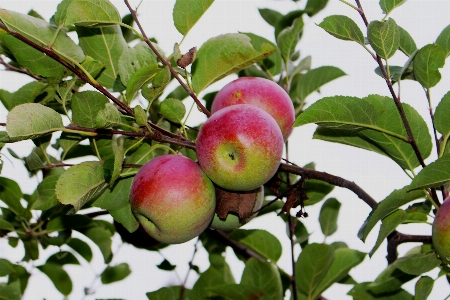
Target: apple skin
<point>441,231</point>
<point>240,147</point>
<point>173,199</point>
<point>232,222</point>
<point>260,92</point>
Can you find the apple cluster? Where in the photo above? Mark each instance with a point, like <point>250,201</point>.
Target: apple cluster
<point>239,149</point>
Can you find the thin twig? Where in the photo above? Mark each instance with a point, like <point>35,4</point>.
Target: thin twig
<point>9,67</point>
<point>165,62</point>
<point>396,238</point>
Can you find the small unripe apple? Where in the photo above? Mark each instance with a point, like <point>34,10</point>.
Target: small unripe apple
<point>240,147</point>
<point>172,198</point>
<point>236,208</point>
<point>441,231</point>
<point>260,92</point>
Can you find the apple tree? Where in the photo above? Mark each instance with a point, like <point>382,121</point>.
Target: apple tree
<point>107,100</point>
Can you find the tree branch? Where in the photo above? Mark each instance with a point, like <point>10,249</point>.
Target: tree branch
<point>332,179</point>
<point>167,63</point>
<point>396,238</point>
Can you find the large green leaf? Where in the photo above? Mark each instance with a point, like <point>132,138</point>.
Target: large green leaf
<point>125,216</point>
<point>58,276</point>
<point>288,38</point>
<point>316,191</point>
<point>361,292</point>
<point>427,63</point>
<point>442,116</point>
<point>407,44</point>
<point>80,183</point>
<point>272,64</point>
<point>262,275</point>
<point>165,293</point>
<point>328,216</point>
<point>86,13</point>
<point>32,59</point>
<point>224,55</point>
<point>314,6</point>
<point>187,12</point>
<point>344,260</point>
<point>314,79</point>
<point>435,174</point>
<point>272,17</point>
<point>10,291</point>
<point>173,110</point>
<point>389,280</point>
<point>134,59</point>
<point>418,263</point>
<point>81,247</point>
<point>86,106</point>
<point>46,197</point>
<point>115,198</point>
<point>102,238</point>
<point>32,120</point>
<point>105,44</point>
<point>388,5</point>
<point>423,288</point>
<point>139,79</point>
<point>391,203</point>
<point>343,28</point>
<point>10,194</point>
<point>260,241</point>
<point>42,33</point>
<point>444,39</point>
<point>384,37</point>
<point>388,225</point>
<point>311,267</point>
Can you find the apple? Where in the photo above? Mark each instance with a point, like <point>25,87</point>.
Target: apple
<point>236,208</point>
<point>172,198</point>
<point>441,231</point>
<point>260,92</point>
<point>240,147</point>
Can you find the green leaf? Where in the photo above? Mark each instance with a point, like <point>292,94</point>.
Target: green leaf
<point>344,260</point>
<point>218,273</point>
<point>65,222</point>
<point>5,225</point>
<point>80,183</point>
<point>165,293</point>
<point>427,63</point>
<point>28,93</point>
<point>46,197</point>
<point>391,203</point>
<point>134,59</point>
<point>81,248</point>
<point>108,117</point>
<point>260,241</point>
<point>316,191</point>
<point>328,216</point>
<point>343,28</point>
<point>272,64</point>
<point>388,5</point>
<point>441,116</point>
<point>32,120</point>
<point>102,238</point>
<point>63,258</point>
<point>115,273</point>
<point>314,6</point>
<point>389,280</point>
<point>419,263</point>
<point>86,106</point>
<point>187,12</point>
<point>10,194</point>
<point>361,292</point>
<point>264,276</point>
<point>423,288</point>
<point>10,291</point>
<point>435,174</point>
<point>388,225</point>
<point>224,55</point>
<point>32,59</point>
<point>444,39</point>
<point>166,266</point>
<point>288,38</point>
<point>58,276</point>
<point>86,13</point>
<point>314,79</point>
<point>173,110</point>
<point>115,198</point>
<point>312,266</point>
<point>139,79</point>
<point>42,33</point>
<point>105,44</point>
<point>407,44</point>
<point>125,216</point>
<point>272,17</point>
<point>384,37</point>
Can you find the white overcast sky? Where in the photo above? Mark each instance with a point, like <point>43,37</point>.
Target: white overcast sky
<point>423,19</point>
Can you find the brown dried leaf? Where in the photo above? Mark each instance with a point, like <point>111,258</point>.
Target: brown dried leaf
<point>240,203</point>
<point>187,58</point>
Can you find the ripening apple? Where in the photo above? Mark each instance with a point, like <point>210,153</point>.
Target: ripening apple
<point>240,147</point>
<point>441,231</point>
<point>263,93</point>
<point>172,198</point>
<point>236,200</point>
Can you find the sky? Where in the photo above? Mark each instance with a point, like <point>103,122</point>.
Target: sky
<point>377,175</point>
